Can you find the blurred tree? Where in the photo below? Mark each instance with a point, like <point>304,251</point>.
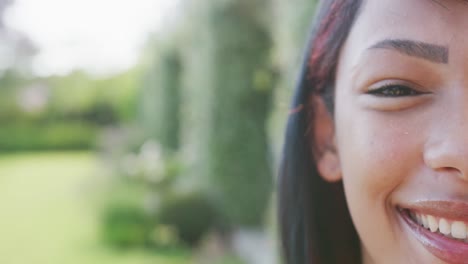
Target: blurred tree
<point>169,107</point>
<point>229,73</point>
<point>105,101</point>
<point>208,93</point>
<point>160,99</point>
<point>148,101</point>
<point>239,164</point>
<point>9,82</point>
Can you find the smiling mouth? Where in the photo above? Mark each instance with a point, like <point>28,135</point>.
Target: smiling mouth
<point>456,230</point>
<point>441,227</point>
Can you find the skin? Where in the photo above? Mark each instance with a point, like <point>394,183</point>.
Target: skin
<point>397,150</point>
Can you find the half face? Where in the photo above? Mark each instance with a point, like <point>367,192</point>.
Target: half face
<point>401,130</point>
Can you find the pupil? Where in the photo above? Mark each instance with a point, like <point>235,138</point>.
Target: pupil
<point>397,91</point>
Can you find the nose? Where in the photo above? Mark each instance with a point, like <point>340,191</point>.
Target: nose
<point>447,149</point>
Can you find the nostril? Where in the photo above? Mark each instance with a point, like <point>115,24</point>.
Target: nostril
<point>450,170</point>
<point>453,171</point>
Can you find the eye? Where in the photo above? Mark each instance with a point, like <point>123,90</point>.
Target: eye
<point>394,90</point>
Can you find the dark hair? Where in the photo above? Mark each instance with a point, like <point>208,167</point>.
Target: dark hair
<point>316,226</point>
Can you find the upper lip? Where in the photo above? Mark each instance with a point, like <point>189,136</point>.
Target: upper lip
<point>454,210</point>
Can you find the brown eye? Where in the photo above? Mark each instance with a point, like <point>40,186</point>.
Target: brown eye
<point>394,91</point>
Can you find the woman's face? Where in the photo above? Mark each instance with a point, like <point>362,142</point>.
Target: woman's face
<point>401,130</point>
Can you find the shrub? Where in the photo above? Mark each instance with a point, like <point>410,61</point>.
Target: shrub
<point>192,215</point>
<point>126,226</point>
<point>125,222</point>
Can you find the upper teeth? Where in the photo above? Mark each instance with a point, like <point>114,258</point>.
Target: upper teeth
<point>454,229</point>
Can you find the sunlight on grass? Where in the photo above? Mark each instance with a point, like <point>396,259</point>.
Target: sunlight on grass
<point>48,215</point>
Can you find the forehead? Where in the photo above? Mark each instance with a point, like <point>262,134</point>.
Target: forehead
<point>443,22</point>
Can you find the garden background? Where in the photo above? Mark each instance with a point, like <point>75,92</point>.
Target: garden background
<point>165,152</point>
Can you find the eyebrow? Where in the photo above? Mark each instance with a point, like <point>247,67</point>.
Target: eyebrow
<point>430,52</point>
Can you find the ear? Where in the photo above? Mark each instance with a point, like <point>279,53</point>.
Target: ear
<point>323,141</point>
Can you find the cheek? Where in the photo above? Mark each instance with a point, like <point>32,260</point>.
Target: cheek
<point>377,152</point>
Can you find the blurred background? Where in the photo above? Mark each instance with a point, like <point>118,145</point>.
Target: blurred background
<point>144,131</point>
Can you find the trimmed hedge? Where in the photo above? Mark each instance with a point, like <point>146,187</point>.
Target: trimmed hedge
<point>53,136</point>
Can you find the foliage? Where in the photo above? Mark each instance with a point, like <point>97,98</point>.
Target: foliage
<point>228,81</point>
<point>125,222</point>
<point>170,105</point>
<point>206,99</point>
<point>64,112</point>
<point>230,260</point>
<point>151,167</point>
<point>242,87</point>
<point>137,195</point>
<point>99,101</point>
<point>126,226</point>
<point>52,136</point>
<point>191,215</point>
<point>160,100</point>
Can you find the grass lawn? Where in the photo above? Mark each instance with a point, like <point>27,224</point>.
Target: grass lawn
<point>47,214</point>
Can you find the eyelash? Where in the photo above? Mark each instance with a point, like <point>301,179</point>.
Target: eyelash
<point>393,90</point>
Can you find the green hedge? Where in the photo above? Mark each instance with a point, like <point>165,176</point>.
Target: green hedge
<point>53,136</point>
<point>191,215</point>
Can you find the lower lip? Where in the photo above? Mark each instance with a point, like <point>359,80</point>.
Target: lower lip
<point>446,249</point>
